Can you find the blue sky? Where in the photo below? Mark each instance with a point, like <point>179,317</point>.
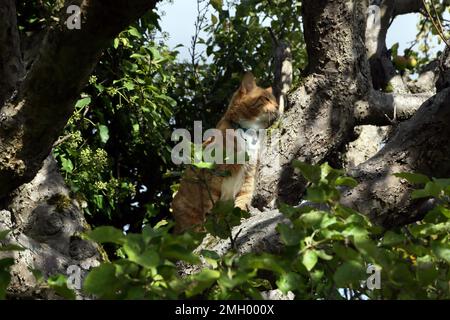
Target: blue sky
<point>180,17</point>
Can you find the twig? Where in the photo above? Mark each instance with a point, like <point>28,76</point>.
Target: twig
<point>62,140</point>
<point>439,30</point>
<point>272,35</point>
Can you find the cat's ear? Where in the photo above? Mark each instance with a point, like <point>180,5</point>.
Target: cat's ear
<point>269,90</point>
<point>248,82</point>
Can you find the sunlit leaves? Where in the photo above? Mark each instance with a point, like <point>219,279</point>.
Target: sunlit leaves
<point>59,284</point>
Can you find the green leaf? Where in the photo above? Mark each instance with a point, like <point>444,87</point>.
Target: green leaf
<point>102,281</point>
<point>11,247</point>
<point>426,270</point>
<point>83,103</point>
<point>37,274</point>
<point>214,19</point>
<point>116,43</point>
<point>292,212</point>
<point>134,32</point>
<point>204,165</point>
<point>177,252</point>
<point>328,221</point>
<point>328,174</point>
<point>431,190</point>
<point>5,278</point>
<point>161,224</point>
<point>289,282</point>
<point>66,164</point>
<point>6,263</point>
<point>202,281</point>
<point>346,181</point>
<point>349,273</point>
<point>309,259</point>
<point>210,254</point>
<point>413,178</point>
<point>394,49</point>
<point>317,195</point>
<point>312,219</point>
<point>263,261</point>
<point>217,4</point>
<point>442,183</point>
<point>98,200</point>
<point>442,251</point>
<point>59,284</point>
<point>311,173</point>
<point>444,211</point>
<point>148,259</point>
<point>400,274</point>
<point>129,85</point>
<point>345,253</point>
<point>107,235</point>
<point>391,238</point>
<point>356,231</point>
<point>4,233</point>
<point>323,255</point>
<point>155,54</point>
<point>104,133</point>
<point>288,235</point>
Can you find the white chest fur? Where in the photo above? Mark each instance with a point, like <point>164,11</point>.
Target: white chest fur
<point>232,185</point>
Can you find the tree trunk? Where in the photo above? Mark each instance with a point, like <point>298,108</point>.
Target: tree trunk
<point>320,117</point>
<point>336,96</point>
<point>34,109</point>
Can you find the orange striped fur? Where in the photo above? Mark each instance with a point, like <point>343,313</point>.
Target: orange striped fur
<point>251,107</point>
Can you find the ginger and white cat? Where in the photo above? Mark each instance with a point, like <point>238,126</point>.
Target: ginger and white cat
<point>251,107</point>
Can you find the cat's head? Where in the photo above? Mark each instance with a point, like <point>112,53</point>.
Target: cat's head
<point>253,107</point>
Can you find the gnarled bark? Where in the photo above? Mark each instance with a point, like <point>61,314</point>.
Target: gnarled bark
<point>417,145</point>
<point>32,121</point>
<point>48,223</point>
<point>34,200</point>
<point>320,116</point>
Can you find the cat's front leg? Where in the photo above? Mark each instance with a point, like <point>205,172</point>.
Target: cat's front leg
<point>245,194</point>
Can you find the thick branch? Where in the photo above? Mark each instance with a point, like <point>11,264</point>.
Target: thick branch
<point>427,78</point>
<point>33,121</point>
<point>407,6</point>
<point>385,108</point>
<point>320,118</point>
<point>283,74</point>
<point>11,67</point>
<point>419,145</point>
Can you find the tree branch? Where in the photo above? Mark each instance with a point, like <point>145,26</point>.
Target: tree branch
<point>426,81</point>
<point>383,108</point>
<point>320,116</point>
<point>283,74</point>
<point>45,100</point>
<point>407,6</point>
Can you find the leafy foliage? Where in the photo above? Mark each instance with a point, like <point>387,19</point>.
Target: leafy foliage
<point>328,252</point>
<point>116,141</point>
